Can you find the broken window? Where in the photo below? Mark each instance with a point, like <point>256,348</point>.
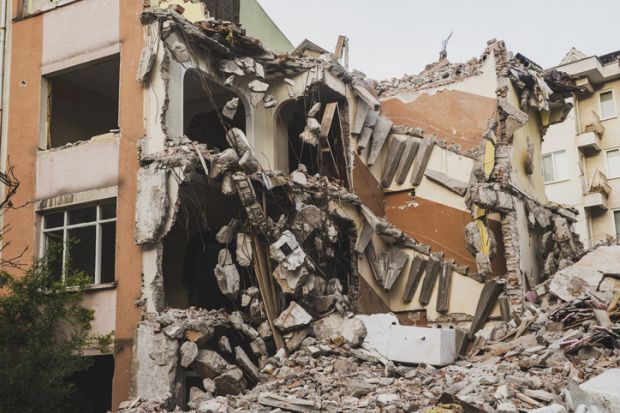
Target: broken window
<point>82,103</point>
<point>554,167</point>
<point>82,238</point>
<point>613,163</point>
<point>608,107</point>
<point>203,101</point>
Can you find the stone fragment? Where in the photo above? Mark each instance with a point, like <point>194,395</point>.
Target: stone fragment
<point>358,388</point>
<point>196,397</point>
<point>290,403</point>
<point>189,352</point>
<point>336,328</point>
<point>230,108</point>
<point>229,66</point>
<point>314,110</point>
<point>244,249</point>
<point>257,86</point>
<point>209,385</point>
<point>208,364</point>
<point>246,364</point>
<point>289,280</point>
<point>230,382</point>
<point>293,318</point>
<point>224,344</point>
<point>226,234</point>
<point>269,101</point>
<point>379,135</point>
<point>287,251</point>
<point>226,274</point>
<point>454,185</point>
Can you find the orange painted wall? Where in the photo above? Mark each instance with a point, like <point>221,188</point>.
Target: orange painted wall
<point>23,132</point>
<point>441,227</point>
<point>128,254</point>
<point>459,117</point>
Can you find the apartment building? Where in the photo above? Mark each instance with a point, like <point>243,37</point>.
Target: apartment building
<point>202,169</point>
<point>581,156</point>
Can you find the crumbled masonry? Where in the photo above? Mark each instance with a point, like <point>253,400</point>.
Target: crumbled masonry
<point>297,253</point>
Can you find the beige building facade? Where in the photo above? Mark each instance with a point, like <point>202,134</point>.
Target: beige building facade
<point>581,156</point>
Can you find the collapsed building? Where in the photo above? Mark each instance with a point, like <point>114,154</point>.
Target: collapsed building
<point>263,198</point>
<point>281,188</point>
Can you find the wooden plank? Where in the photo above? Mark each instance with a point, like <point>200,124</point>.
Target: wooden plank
<point>486,302</point>
<point>415,275</point>
<point>267,288</point>
<point>326,122</point>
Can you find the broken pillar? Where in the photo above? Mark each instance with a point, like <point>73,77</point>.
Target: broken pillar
<point>415,275</point>
<point>421,160</point>
<point>395,152</point>
<point>379,135</point>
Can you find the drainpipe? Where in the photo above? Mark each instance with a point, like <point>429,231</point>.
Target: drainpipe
<point>4,13</point>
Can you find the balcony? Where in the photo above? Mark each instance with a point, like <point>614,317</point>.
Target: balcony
<point>589,141</point>
<point>597,192</point>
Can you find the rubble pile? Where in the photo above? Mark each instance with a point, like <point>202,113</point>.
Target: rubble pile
<point>556,356</point>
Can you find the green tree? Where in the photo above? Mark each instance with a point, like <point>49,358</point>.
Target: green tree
<point>43,327</point>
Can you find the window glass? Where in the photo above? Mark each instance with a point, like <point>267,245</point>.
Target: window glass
<point>613,163</point>
<point>108,251</point>
<point>82,215</point>
<point>54,247</point>
<point>55,220</point>
<point>82,250</point>
<point>548,168</point>
<point>617,221</point>
<point>108,210</point>
<point>607,105</point>
<point>561,168</point>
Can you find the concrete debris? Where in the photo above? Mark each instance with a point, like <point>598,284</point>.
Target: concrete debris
<point>314,110</point>
<point>338,329</point>
<point>257,86</point>
<point>230,108</point>
<point>269,101</point>
<point>379,135</point>
<point>454,185</point>
<point>287,251</point>
<point>586,276</point>
<point>227,233</point>
<point>189,352</point>
<point>294,317</point>
<point>244,249</point>
<point>227,274</point>
<point>209,364</point>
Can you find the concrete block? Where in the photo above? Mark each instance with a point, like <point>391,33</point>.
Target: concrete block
<point>604,390</point>
<point>436,346</point>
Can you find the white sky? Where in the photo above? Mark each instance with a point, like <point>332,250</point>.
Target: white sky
<point>389,38</point>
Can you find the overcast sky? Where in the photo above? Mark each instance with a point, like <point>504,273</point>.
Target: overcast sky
<point>389,38</point>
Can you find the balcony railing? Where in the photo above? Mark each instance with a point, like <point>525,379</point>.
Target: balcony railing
<point>589,140</point>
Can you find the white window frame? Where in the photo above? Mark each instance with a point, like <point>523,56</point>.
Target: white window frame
<point>609,175</point>
<point>98,222</point>
<point>613,100</point>
<point>555,169</point>
<point>613,217</point>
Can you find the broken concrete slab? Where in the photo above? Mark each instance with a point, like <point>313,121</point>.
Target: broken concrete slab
<point>189,352</point>
<point>415,275</point>
<point>151,203</point>
<point>586,274</point>
<point>293,318</point>
<point>395,265</point>
<point>209,364</point>
<point>406,160</point>
<point>246,364</point>
<point>230,382</point>
<point>257,86</point>
<point>454,185</point>
<point>291,404</point>
<point>378,331</point>
<point>379,135</point>
<point>366,96</point>
<point>421,159</point>
<point>289,280</point>
<point>434,346</point>
<point>287,251</point>
<point>360,116</point>
<point>335,328</point>
<point>394,155</point>
<point>604,390</point>
<point>445,287</point>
